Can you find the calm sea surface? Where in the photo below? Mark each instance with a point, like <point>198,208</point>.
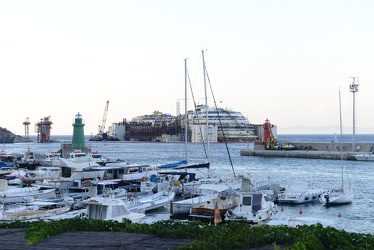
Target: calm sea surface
<point>356,217</point>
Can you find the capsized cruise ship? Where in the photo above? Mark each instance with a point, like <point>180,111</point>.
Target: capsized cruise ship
<point>226,124</point>
<point>223,124</point>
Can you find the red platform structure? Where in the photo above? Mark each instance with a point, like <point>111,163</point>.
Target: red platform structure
<point>43,129</point>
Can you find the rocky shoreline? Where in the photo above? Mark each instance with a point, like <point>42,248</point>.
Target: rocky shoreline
<point>6,133</point>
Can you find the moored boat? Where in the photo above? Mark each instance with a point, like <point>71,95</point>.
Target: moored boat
<point>364,157</point>
<point>100,208</point>
<point>254,206</point>
<point>34,210</point>
<point>206,211</point>
<point>298,193</point>
<point>21,194</point>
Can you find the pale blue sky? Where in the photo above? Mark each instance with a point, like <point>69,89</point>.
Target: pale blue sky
<point>281,60</point>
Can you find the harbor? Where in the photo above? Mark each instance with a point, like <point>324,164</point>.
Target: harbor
<point>285,170</point>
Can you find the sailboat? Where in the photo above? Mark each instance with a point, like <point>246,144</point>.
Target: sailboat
<point>340,195</point>
<point>179,171</point>
<point>184,163</point>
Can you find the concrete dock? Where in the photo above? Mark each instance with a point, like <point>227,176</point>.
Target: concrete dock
<point>329,151</point>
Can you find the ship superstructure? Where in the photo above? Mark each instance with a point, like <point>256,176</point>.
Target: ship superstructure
<point>230,125</point>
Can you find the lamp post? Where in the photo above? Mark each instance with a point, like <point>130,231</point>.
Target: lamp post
<point>354,88</point>
<point>247,139</point>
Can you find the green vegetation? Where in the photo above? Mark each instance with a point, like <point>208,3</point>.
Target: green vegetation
<point>233,235</point>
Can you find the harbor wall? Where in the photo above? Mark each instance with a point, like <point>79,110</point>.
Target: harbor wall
<point>311,150</point>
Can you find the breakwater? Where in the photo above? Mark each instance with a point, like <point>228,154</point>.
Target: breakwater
<point>330,151</point>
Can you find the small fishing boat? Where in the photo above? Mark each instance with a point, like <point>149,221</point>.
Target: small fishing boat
<point>28,160</point>
<point>204,193</point>
<point>34,210</point>
<point>254,206</point>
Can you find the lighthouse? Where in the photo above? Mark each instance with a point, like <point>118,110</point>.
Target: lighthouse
<point>78,133</point>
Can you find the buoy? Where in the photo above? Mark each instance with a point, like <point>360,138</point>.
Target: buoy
<point>301,211</point>
<point>339,214</point>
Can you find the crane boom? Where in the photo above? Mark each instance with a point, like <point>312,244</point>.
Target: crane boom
<point>103,122</point>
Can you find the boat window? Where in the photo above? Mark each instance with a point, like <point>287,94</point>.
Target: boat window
<point>65,172</point>
<point>97,212</point>
<point>119,211</point>
<point>247,200</point>
<point>133,170</point>
<point>257,199</point>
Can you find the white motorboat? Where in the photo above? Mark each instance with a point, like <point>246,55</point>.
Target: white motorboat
<point>364,157</point>
<point>105,208</point>
<point>48,159</point>
<point>78,168</point>
<point>253,207</point>
<point>22,194</point>
<point>98,158</point>
<point>298,193</point>
<point>149,202</point>
<point>145,200</point>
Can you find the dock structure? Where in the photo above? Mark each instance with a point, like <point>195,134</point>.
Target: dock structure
<point>329,151</point>
<point>43,129</point>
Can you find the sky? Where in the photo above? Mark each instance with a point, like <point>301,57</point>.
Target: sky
<point>285,61</point>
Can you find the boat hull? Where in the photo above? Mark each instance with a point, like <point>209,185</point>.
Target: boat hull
<point>6,197</point>
<point>336,199</point>
<point>364,157</point>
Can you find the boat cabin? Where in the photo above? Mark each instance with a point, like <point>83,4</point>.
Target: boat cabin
<point>77,154</point>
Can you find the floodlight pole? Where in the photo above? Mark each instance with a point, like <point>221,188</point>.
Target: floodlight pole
<point>354,88</point>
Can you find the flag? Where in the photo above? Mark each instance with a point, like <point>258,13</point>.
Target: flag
<point>217,215</point>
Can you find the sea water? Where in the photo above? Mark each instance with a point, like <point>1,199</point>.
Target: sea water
<point>226,162</point>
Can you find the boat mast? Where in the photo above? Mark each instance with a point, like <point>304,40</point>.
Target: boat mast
<point>341,137</point>
<point>185,109</point>
<point>206,107</point>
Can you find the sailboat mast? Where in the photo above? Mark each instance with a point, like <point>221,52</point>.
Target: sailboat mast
<point>206,107</point>
<point>341,137</point>
<point>185,109</point>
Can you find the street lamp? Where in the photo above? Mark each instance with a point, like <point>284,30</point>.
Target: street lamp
<point>354,88</point>
<point>248,139</point>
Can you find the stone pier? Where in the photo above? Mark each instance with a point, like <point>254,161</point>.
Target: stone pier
<point>330,151</point>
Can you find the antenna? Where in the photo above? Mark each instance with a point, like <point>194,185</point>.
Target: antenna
<point>354,88</point>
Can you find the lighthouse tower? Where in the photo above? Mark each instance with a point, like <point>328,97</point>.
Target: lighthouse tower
<point>78,133</point>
